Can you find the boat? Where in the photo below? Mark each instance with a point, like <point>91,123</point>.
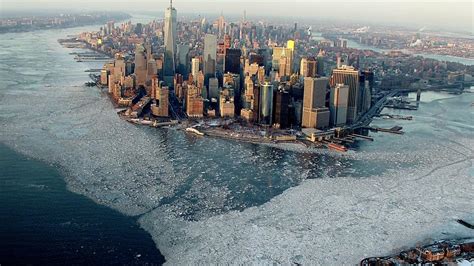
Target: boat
<point>146,122</point>
<point>195,131</point>
<point>337,147</point>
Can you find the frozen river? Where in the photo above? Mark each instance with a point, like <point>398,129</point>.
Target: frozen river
<point>206,200</point>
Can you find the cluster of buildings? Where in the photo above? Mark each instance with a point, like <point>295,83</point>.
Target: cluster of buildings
<point>254,73</point>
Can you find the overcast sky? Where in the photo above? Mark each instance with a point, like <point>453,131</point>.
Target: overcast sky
<point>453,14</point>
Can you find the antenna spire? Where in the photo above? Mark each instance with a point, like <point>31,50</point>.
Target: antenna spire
<point>171,4</point>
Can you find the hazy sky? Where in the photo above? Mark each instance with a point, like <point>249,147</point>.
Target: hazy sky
<point>446,14</point>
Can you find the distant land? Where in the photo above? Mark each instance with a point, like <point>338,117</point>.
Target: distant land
<point>25,23</point>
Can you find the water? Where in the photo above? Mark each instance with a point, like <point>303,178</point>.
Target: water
<point>207,200</point>
<point>447,58</point>
<point>43,223</point>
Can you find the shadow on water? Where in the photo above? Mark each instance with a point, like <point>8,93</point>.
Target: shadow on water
<point>43,223</point>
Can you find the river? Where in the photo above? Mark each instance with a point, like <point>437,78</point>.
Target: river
<point>448,58</point>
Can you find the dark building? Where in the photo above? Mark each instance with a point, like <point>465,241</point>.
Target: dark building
<point>369,76</point>
<point>281,112</point>
<point>232,61</point>
<point>256,103</point>
<point>256,58</point>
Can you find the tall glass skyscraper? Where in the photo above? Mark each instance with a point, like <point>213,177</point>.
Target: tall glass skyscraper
<point>170,44</point>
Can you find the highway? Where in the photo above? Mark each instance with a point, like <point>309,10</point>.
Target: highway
<point>374,110</point>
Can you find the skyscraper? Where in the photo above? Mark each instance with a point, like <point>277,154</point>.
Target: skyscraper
<point>210,55</point>
<point>266,103</point>
<point>349,76</point>
<point>308,67</point>
<point>286,54</point>
<point>232,61</point>
<point>320,63</point>
<point>170,44</point>
<point>140,65</point>
<point>338,104</point>
<point>315,114</point>
<point>281,112</point>
<point>182,60</point>
<point>195,67</point>
<point>160,94</point>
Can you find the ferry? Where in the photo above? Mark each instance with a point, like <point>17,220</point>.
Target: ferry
<point>195,131</point>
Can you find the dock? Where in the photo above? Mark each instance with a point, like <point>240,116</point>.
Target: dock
<point>393,130</point>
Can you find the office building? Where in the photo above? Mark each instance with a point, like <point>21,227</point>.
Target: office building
<point>315,92</point>
<point>194,102</point>
<point>320,64</point>
<point>287,62</point>
<point>308,67</point>
<point>161,96</point>
<point>151,69</point>
<point>338,104</point>
<point>209,56</point>
<point>349,76</point>
<point>226,103</point>
<point>182,59</point>
<point>266,103</point>
<point>140,65</point>
<point>281,109</point>
<point>255,104</point>
<point>195,67</point>
<point>232,61</point>
<point>232,81</point>
<point>170,44</point>
<point>315,114</point>
<point>213,88</point>
<point>365,93</point>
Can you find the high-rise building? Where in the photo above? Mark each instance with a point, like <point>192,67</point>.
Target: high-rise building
<point>161,96</point>
<point>226,103</point>
<point>221,25</point>
<point>151,70</point>
<point>213,88</point>
<point>233,82</point>
<point>104,76</point>
<point>287,54</point>
<point>365,93</point>
<point>194,102</point>
<point>338,104</point>
<point>182,58</point>
<point>140,65</point>
<point>232,61</point>
<point>314,92</point>
<point>308,67</point>
<point>200,81</point>
<point>227,42</point>
<point>281,108</point>
<point>195,67</point>
<point>210,55</point>
<point>349,76</point>
<point>266,103</point>
<point>170,44</point>
<point>315,114</point>
<point>290,44</point>
<point>320,65</point>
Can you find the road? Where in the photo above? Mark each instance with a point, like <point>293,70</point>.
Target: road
<point>366,119</point>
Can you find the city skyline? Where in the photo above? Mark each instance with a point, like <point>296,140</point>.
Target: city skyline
<point>266,132</point>
<point>399,13</point>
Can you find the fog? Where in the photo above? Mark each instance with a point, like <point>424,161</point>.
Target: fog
<point>452,15</point>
